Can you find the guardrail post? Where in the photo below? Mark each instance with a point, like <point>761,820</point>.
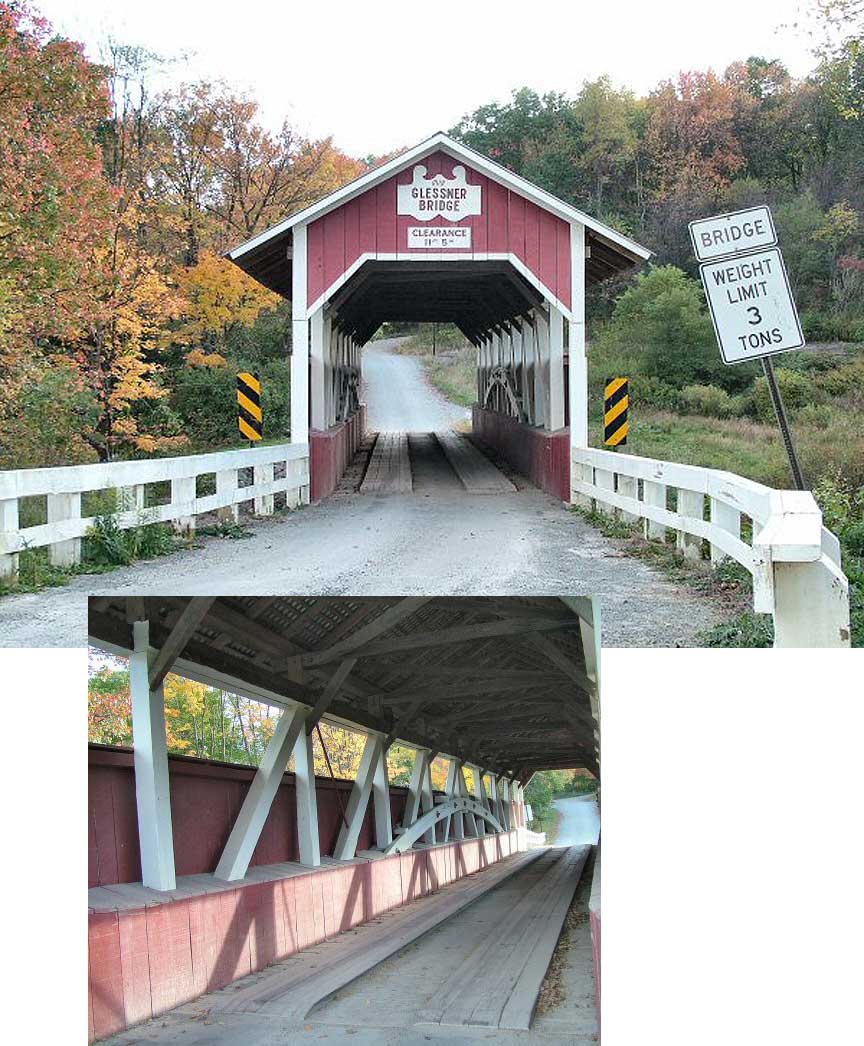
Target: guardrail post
<point>62,507</point>
<point>653,494</point>
<point>628,487</point>
<point>264,503</point>
<point>183,492</point>
<point>726,518</point>
<point>226,483</point>
<point>811,605</point>
<point>8,524</point>
<point>690,504</point>
<point>131,499</point>
<point>606,481</point>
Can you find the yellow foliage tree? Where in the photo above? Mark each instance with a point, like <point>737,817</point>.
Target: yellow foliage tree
<point>216,296</point>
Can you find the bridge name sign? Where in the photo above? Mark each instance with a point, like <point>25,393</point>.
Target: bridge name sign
<point>439,196</point>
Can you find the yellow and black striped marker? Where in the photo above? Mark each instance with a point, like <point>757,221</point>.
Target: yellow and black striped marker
<point>249,415</point>
<point>616,401</point>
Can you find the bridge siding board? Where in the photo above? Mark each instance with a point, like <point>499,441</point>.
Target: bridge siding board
<point>509,223</point>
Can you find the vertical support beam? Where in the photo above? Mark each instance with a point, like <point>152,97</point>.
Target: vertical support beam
<point>299,341</point>
<point>307,801</point>
<point>317,370</point>
<point>480,796</point>
<point>9,524</point>
<point>349,833</point>
<point>556,368</point>
<point>451,789</point>
<point>726,518</point>
<point>506,807</point>
<point>61,507</point>
<point>152,792</point>
<point>578,383</point>
<point>234,862</point>
<point>381,802</point>
<point>494,799</point>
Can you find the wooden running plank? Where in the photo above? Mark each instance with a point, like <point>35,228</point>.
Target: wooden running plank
<point>477,473</point>
<point>504,994</point>
<point>294,986</point>
<point>389,470</point>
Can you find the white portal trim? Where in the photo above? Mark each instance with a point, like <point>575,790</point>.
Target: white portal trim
<point>438,256</point>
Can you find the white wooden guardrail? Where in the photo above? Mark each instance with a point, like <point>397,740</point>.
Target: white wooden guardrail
<point>63,488</point>
<point>793,559</point>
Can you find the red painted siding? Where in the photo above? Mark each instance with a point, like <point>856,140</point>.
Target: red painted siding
<point>146,961</point>
<point>542,457</point>
<point>508,223</point>
<point>205,800</point>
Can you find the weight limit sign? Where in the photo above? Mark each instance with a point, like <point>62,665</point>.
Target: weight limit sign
<point>616,405</point>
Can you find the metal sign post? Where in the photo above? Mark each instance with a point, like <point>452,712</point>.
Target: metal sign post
<point>749,298</point>
<point>783,422</point>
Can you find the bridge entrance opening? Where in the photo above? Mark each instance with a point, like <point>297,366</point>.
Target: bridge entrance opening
<point>442,234</point>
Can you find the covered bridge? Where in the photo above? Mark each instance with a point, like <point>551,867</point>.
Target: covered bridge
<point>442,233</point>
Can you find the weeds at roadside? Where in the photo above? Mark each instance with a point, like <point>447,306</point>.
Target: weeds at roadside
<point>227,528</point>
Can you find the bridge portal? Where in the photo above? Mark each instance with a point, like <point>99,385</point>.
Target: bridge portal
<point>442,233</point>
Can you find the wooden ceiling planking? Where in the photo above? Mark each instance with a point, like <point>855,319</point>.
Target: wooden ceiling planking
<point>490,687</point>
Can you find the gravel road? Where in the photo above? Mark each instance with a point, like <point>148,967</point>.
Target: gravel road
<point>439,540</point>
<point>580,821</point>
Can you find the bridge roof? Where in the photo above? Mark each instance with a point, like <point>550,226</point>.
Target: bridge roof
<point>264,256</point>
<point>503,683</point>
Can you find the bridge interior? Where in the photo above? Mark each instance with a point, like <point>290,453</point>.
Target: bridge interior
<point>498,688</point>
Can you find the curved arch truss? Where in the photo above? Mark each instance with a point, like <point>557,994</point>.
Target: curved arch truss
<point>500,377</point>
<point>451,806</point>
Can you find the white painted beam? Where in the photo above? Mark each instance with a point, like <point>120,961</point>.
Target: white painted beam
<point>346,844</point>
<point>152,792</point>
<point>193,614</point>
<point>307,802</point>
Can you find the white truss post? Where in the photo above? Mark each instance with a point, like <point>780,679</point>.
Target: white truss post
<point>451,789</point>
<point>152,793</point>
<point>349,833</point>
<point>470,819</point>
<point>381,802</point>
<point>480,796</point>
<point>234,862</point>
<point>307,801</point>
<point>507,819</point>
